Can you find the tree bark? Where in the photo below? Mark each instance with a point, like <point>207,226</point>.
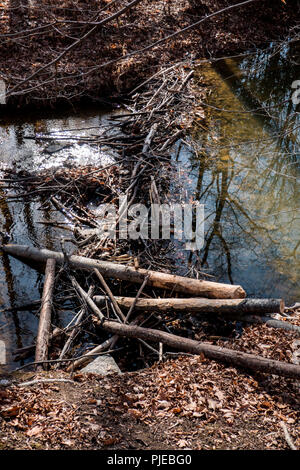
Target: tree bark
<point>172,282</point>
<point>42,341</point>
<point>234,358</point>
<point>199,305</point>
<point>217,353</point>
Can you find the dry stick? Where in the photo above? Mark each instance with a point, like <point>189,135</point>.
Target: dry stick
<point>87,299</point>
<point>27,350</point>
<point>160,352</point>
<point>149,138</point>
<point>69,214</point>
<point>132,306</point>
<point>75,329</point>
<point>110,295</point>
<point>44,381</point>
<point>217,353</point>
<point>42,341</point>
<point>53,361</point>
<point>287,436</point>
<point>80,361</point>
<point>111,342</point>
<point>118,271</point>
<point>116,337</point>
<point>74,44</point>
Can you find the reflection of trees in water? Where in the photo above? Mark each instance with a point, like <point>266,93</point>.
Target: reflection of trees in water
<point>247,173</point>
<point>257,225</point>
<point>263,82</point>
<point>11,317</point>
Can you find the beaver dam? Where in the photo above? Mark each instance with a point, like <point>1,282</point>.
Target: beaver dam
<point>151,234</point>
<point>170,144</point>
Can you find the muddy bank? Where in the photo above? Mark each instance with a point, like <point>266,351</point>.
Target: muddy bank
<point>35,34</point>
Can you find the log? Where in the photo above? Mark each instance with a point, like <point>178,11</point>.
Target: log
<point>217,353</point>
<point>199,305</point>
<point>269,321</point>
<point>42,341</point>
<point>172,282</point>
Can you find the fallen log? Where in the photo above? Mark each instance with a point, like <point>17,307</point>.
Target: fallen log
<point>172,282</point>
<point>269,321</point>
<point>228,356</point>
<point>217,353</point>
<point>42,341</point>
<point>199,305</point>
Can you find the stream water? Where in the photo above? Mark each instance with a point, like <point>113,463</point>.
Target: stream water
<point>244,168</point>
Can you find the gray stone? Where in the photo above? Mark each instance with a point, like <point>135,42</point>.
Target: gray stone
<point>53,148</point>
<point>102,365</point>
<point>2,353</point>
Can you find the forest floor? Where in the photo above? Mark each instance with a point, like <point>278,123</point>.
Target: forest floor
<point>37,33</point>
<point>187,402</point>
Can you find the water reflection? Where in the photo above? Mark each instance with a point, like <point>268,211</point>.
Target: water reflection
<point>245,170</point>
<point>33,222</point>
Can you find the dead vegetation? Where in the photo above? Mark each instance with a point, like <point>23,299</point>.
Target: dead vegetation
<point>73,52</point>
<point>187,403</point>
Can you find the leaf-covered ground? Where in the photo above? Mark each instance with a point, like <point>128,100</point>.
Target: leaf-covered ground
<point>183,403</point>
<point>35,33</point>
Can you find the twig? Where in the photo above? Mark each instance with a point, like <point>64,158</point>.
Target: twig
<point>287,436</point>
<point>44,381</point>
<point>72,359</point>
<point>118,311</point>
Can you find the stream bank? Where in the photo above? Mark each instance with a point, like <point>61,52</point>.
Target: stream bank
<point>34,35</point>
<point>261,400</point>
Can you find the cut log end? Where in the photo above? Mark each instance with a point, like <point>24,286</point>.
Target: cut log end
<point>281,306</point>
<point>240,293</point>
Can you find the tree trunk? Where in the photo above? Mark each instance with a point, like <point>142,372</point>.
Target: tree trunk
<point>228,356</point>
<point>172,282</point>
<point>234,358</point>
<point>196,305</point>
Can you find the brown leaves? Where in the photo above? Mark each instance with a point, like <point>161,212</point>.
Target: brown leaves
<point>10,412</point>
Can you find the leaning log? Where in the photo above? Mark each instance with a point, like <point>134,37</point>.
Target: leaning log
<point>196,305</point>
<point>42,341</point>
<point>172,282</point>
<point>228,356</point>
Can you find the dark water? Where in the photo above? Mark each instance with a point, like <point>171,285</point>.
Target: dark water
<point>244,167</point>
<point>28,223</point>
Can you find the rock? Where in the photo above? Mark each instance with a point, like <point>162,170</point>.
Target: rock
<point>2,353</point>
<point>53,148</point>
<point>102,365</point>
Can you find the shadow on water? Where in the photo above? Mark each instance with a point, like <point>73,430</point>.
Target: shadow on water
<point>244,168</point>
